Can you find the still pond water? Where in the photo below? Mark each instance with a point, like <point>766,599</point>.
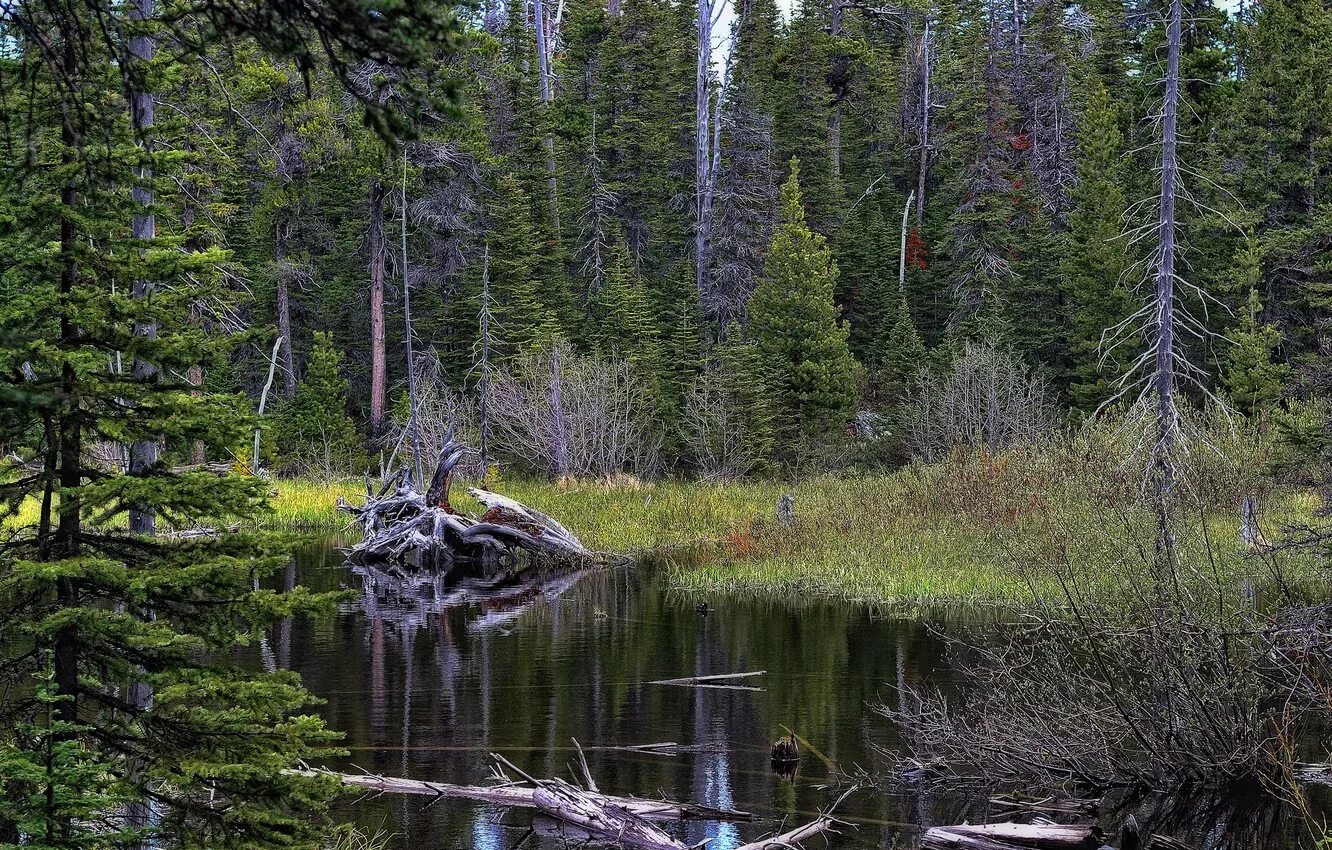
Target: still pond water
<point>424,689</point>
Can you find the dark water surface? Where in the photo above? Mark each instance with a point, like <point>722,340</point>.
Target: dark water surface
<point>425,691</point>
<point>425,688</point>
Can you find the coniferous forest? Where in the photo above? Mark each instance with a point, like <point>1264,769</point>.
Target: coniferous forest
<point>973,306</point>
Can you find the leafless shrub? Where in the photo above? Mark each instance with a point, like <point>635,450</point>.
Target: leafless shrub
<point>987,400</point>
<point>438,408</point>
<point>717,436</point>
<point>561,413</point>
<point>1171,690</point>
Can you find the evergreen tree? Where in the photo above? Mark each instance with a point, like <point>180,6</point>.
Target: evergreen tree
<point>1253,379</point>
<point>1095,256</point>
<point>118,694</point>
<point>620,319</point>
<point>522,320</point>
<point>793,320</point>
<point>902,355</point>
<point>315,430</point>
<point>729,412</point>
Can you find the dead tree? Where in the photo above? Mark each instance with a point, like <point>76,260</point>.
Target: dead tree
<point>709,94</point>
<point>378,360</point>
<point>400,521</point>
<point>547,97</point>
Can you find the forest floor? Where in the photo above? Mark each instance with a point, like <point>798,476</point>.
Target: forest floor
<point>975,532</point>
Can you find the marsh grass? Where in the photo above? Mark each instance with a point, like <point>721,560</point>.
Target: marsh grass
<point>977,529</point>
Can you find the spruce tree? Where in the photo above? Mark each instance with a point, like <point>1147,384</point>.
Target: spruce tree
<point>315,430</point>
<point>1095,256</point>
<point>1254,381</point>
<point>522,319</point>
<point>620,319</point>
<point>117,691</point>
<point>793,320</point>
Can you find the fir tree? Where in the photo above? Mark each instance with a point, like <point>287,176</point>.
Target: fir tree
<point>523,320</point>
<point>1253,379</point>
<point>1094,256</point>
<point>127,637</point>
<point>315,430</point>
<point>794,323</point>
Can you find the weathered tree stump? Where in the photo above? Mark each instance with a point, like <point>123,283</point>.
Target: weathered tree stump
<point>399,522</point>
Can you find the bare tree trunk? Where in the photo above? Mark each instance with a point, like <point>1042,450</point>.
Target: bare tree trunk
<point>143,227</point>
<point>1163,376</point>
<point>901,256</point>
<point>412,423</point>
<point>559,450</point>
<point>835,120</point>
<point>263,401</point>
<point>702,142</point>
<point>284,310</point>
<point>485,360</point>
<point>378,361</point>
<point>924,133</point>
<point>547,97</point>
<point>198,453</point>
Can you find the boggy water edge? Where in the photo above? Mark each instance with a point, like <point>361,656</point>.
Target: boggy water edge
<point>425,688</point>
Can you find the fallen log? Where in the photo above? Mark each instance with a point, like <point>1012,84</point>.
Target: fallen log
<point>1012,836</point>
<point>591,813</point>
<point>522,797</point>
<point>399,521</point>
<point>720,681</point>
<point>825,822</point>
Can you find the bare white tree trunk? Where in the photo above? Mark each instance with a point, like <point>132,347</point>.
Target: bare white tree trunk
<point>485,360</point>
<point>539,25</point>
<point>263,401</point>
<point>901,256</point>
<point>924,132</point>
<point>707,137</point>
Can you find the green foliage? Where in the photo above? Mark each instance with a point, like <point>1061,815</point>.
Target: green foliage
<point>1095,257</point>
<point>314,432</point>
<point>1253,380</point>
<point>729,412</point>
<point>794,323</point>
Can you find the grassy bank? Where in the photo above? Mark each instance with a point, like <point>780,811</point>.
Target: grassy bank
<point>979,530</point>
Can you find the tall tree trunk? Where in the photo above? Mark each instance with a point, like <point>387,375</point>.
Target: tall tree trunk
<point>547,96</point>
<point>413,423</point>
<point>924,132</point>
<point>702,144</point>
<point>485,361</point>
<point>378,363</point>
<point>143,453</point>
<point>1163,376</point>
<point>284,311</point>
<point>69,530</point>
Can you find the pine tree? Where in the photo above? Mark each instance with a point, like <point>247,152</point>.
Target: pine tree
<point>315,430</point>
<point>115,647</point>
<point>1253,379</point>
<point>728,411</point>
<point>1095,256</point>
<point>523,320</point>
<point>620,319</point>
<point>901,355</point>
<point>793,320</point>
